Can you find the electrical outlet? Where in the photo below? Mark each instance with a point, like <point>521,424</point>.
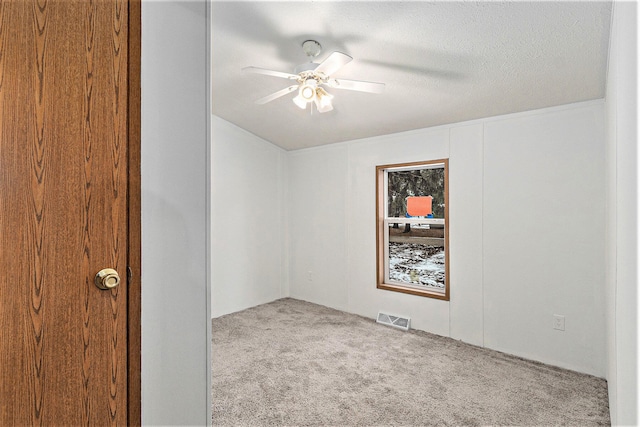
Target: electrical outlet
<point>310,276</point>
<point>558,322</point>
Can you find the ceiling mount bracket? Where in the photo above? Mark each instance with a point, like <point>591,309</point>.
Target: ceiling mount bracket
<point>311,48</point>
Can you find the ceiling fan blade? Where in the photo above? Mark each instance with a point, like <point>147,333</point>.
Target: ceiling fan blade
<point>371,87</point>
<point>277,94</point>
<point>333,63</point>
<point>256,70</point>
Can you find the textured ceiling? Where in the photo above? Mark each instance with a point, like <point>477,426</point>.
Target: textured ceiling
<point>442,62</point>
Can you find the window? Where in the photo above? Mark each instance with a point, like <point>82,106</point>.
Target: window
<point>413,228</point>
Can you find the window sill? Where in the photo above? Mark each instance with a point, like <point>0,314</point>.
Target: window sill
<point>414,291</point>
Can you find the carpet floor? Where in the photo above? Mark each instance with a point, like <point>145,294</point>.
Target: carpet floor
<point>293,363</point>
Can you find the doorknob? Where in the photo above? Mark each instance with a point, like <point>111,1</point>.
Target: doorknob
<point>107,278</point>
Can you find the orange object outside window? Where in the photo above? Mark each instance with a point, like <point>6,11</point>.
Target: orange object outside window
<point>419,205</point>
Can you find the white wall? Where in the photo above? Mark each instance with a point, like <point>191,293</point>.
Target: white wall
<point>543,232</point>
<point>622,226</point>
<point>176,386</point>
<point>248,220</point>
<point>526,231</point>
<point>317,208</point>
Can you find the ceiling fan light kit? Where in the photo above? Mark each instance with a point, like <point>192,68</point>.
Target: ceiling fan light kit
<point>310,76</point>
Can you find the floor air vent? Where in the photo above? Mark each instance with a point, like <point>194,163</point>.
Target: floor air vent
<point>395,321</point>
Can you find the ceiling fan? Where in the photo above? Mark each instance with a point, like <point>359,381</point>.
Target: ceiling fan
<point>311,77</point>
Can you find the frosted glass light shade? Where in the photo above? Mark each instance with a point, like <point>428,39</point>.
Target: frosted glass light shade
<point>306,94</point>
<point>323,100</point>
<point>300,102</point>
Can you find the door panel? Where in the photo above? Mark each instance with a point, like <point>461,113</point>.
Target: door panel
<point>63,211</point>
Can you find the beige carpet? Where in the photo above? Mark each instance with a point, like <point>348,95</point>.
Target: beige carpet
<point>295,363</point>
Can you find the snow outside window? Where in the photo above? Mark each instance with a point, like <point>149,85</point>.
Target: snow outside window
<point>412,236</point>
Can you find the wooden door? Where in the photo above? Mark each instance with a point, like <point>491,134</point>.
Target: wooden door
<point>68,208</point>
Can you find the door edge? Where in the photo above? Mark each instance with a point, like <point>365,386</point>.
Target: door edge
<point>134,312</point>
